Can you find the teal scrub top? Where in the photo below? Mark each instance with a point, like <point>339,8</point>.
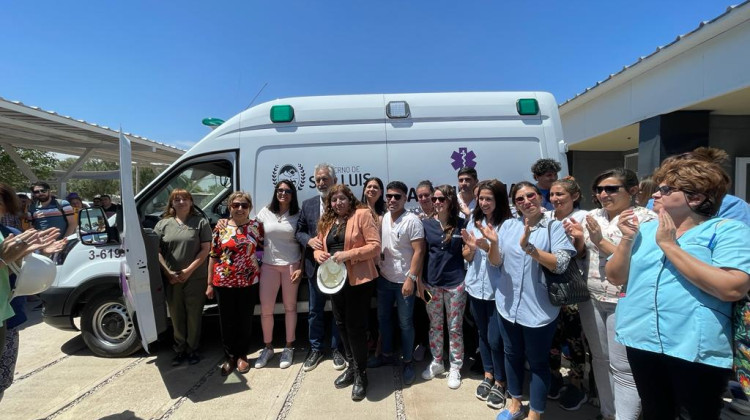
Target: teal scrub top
<point>665,313</point>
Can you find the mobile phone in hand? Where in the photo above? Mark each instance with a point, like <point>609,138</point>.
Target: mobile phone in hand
<point>427,296</point>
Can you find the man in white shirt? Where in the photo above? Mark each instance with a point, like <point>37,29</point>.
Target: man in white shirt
<point>403,247</point>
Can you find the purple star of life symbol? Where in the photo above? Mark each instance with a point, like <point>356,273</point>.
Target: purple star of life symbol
<point>463,158</point>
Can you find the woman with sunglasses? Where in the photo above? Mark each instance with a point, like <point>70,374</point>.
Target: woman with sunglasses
<point>280,269</point>
<point>444,276</point>
<point>481,279</point>
<point>614,191</point>
<point>232,270</point>
<point>184,241</point>
<point>349,235</point>
<point>527,318</point>
<point>565,196</point>
<point>424,192</point>
<point>683,271</point>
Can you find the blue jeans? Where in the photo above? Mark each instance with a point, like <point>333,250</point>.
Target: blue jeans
<point>316,318</point>
<point>490,340</point>
<point>387,293</point>
<point>531,344</point>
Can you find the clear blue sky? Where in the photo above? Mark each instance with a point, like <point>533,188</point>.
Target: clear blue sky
<point>157,68</point>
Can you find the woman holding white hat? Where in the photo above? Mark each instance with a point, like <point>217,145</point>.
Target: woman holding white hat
<point>13,250</point>
<point>350,235</point>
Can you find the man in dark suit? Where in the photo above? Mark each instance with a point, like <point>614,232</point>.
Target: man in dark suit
<point>306,234</point>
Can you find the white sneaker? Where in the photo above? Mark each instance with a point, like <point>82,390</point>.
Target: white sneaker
<point>265,356</point>
<point>286,357</point>
<point>435,368</point>
<point>454,379</point>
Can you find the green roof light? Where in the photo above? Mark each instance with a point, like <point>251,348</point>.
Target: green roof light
<point>282,113</point>
<point>213,122</point>
<point>527,106</point>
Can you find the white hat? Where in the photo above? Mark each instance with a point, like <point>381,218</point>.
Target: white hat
<point>35,275</point>
<point>331,276</point>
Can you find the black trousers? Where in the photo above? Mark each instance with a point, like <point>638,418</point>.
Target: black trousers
<point>669,386</point>
<point>236,305</point>
<point>351,306</point>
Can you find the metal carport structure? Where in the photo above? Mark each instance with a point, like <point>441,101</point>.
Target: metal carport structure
<point>30,127</point>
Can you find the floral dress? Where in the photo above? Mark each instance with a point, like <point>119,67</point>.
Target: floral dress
<point>235,249</point>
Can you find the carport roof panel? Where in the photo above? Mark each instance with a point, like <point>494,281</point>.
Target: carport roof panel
<point>32,127</point>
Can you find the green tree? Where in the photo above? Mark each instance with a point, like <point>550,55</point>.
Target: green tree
<point>41,163</point>
<point>88,188</point>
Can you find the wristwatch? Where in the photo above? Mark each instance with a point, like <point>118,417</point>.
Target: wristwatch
<point>529,248</point>
<point>411,276</point>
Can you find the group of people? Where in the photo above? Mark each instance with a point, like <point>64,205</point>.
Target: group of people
<point>15,246</point>
<point>44,210</point>
<point>662,281</point>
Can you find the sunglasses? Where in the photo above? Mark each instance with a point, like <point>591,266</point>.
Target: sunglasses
<point>530,196</point>
<point>283,191</point>
<point>610,189</point>
<point>39,191</point>
<point>240,205</point>
<point>666,190</point>
<point>438,199</point>
<point>393,196</point>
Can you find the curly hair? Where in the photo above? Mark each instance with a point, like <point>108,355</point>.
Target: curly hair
<point>178,192</point>
<point>499,193</point>
<point>697,174</point>
<point>542,166</point>
<point>329,215</point>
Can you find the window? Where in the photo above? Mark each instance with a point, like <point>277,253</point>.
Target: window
<point>208,182</point>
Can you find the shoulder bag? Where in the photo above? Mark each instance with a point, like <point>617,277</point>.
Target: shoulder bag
<point>568,287</point>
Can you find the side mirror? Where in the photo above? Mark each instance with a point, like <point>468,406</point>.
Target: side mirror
<point>93,227</point>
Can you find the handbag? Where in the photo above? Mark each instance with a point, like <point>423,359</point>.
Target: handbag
<point>568,287</point>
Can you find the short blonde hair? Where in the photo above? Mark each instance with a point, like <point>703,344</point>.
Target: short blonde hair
<point>241,195</point>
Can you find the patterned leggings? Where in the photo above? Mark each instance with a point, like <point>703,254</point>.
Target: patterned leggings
<point>454,302</point>
<point>8,359</point>
<point>569,332</point>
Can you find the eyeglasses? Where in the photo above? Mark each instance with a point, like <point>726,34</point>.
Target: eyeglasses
<point>39,191</point>
<point>610,189</point>
<point>424,196</point>
<point>393,196</point>
<point>438,199</point>
<point>283,191</point>
<point>240,205</point>
<point>529,196</point>
<point>666,190</point>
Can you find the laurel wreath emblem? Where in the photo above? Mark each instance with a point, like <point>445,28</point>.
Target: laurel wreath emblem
<point>300,184</point>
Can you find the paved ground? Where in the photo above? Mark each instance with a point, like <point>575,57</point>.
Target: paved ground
<point>57,377</point>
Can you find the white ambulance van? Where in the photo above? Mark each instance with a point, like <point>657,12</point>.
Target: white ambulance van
<point>112,281</point>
